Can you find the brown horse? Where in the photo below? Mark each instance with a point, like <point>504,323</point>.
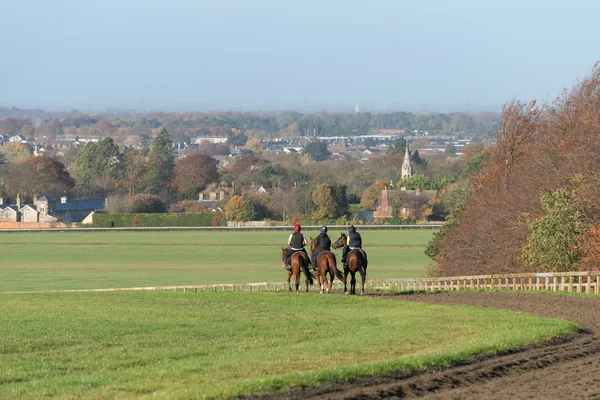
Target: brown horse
<point>298,262</point>
<point>325,264</point>
<point>356,262</point>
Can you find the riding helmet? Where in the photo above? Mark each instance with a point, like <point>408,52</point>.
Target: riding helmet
<point>351,229</point>
<point>297,228</point>
<point>323,229</point>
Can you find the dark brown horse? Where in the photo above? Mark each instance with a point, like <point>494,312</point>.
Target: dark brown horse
<point>356,262</point>
<point>298,262</point>
<point>325,264</point>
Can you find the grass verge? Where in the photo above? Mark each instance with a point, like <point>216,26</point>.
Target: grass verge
<point>196,345</point>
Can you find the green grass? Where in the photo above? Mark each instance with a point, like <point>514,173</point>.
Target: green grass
<point>191,345</point>
<point>85,260</point>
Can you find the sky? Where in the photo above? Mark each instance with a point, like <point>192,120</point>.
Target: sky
<point>196,55</point>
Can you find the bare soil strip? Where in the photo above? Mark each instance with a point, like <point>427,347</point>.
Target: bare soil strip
<point>564,369</point>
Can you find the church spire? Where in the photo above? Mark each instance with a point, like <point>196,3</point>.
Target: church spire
<point>406,167</point>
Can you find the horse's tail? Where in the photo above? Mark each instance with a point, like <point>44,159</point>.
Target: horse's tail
<point>307,272</point>
<point>333,270</point>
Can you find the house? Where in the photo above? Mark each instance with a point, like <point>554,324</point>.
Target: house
<point>292,150</point>
<point>264,189</point>
<point>76,210</point>
<point>18,139</point>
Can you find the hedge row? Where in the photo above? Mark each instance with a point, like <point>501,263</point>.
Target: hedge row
<point>158,220</point>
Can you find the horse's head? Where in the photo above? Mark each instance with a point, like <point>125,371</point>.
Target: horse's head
<point>313,245</point>
<point>283,260</point>
<point>341,242</point>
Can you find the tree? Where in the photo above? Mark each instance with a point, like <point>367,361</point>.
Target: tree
<point>238,209</point>
<point>371,194</point>
<point>323,200</point>
<point>14,152</point>
<point>135,168</point>
<point>450,149</point>
<point>338,192</point>
<point>147,203</point>
<point>39,176</point>
<point>160,164</point>
<point>369,142</point>
<point>318,151</point>
<point>237,140</point>
<point>98,168</point>
<point>192,173</point>
<point>255,146</point>
<point>553,242</point>
<point>399,147</point>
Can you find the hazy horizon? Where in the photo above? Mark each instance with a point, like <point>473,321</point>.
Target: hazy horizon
<point>183,55</point>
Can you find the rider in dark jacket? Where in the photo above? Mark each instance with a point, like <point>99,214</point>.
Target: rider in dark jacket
<point>323,243</point>
<point>296,242</point>
<point>354,241</point>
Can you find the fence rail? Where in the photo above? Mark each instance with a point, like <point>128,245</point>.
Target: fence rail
<point>581,282</point>
<point>224,228</point>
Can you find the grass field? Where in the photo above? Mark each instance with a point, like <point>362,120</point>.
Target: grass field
<point>85,260</point>
<point>191,345</point>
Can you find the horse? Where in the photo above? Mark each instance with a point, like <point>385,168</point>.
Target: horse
<point>356,262</point>
<point>298,262</point>
<point>325,264</point>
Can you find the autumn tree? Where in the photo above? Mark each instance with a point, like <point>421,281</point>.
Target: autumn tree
<point>15,152</point>
<point>371,194</point>
<point>160,164</point>
<point>147,203</point>
<point>39,176</point>
<point>194,172</point>
<point>255,146</point>
<point>135,168</point>
<point>238,209</point>
<point>324,202</point>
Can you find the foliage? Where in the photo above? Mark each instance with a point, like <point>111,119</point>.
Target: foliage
<point>14,152</point>
<point>39,176</point>
<point>147,203</point>
<point>590,246</point>
<point>338,193</point>
<point>553,242</point>
<point>153,219</point>
<point>398,147</point>
<point>160,164</point>
<point>237,140</point>
<point>420,181</point>
<point>238,209</point>
<point>323,200</point>
<point>194,171</point>
<point>369,197</point>
<point>188,206</point>
<point>318,150</point>
<point>97,167</point>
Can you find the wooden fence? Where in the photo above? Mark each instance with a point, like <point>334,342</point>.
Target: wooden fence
<point>581,282</point>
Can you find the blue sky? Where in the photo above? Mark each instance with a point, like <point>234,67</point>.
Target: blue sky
<point>277,54</point>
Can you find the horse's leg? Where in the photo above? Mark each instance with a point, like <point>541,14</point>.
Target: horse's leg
<point>297,279</point>
<point>353,282</point>
<point>346,270</point>
<point>289,279</point>
<point>363,277</point>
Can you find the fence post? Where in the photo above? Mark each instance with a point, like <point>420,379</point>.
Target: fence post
<point>570,283</point>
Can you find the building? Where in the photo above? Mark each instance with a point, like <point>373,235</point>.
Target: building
<point>406,167</point>
<point>46,209</point>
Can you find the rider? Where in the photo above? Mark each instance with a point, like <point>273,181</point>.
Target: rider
<point>322,243</point>
<point>297,241</point>
<point>354,241</point>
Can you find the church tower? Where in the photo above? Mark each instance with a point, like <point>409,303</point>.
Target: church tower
<point>406,167</point>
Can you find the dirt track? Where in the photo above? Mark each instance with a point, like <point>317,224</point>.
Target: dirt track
<point>564,369</point>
